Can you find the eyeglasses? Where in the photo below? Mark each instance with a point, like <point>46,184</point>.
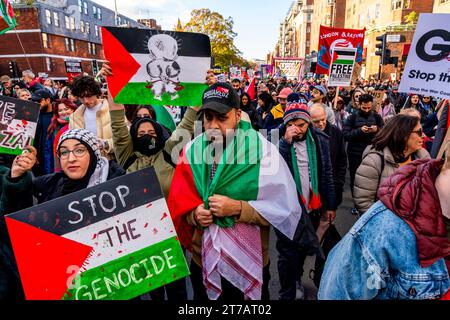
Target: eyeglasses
<point>78,153</point>
<point>419,132</point>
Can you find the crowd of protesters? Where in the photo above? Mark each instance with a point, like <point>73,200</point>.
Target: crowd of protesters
<point>395,153</point>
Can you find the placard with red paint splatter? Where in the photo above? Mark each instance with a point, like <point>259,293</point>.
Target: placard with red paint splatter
<point>102,243</point>
<point>18,122</point>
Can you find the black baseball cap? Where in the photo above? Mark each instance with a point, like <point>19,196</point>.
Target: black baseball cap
<point>220,97</point>
<point>38,95</point>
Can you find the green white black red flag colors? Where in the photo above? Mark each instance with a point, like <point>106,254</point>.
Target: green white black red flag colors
<point>112,241</point>
<point>7,17</point>
<point>18,122</point>
<point>341,69</point>
<point>156,67</point>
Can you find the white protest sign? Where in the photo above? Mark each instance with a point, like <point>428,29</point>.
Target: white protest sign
<point>427,69</point>
<point>341,68</point>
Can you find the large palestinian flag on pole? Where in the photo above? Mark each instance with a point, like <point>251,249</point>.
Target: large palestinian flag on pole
<point>7,18</point>
<point>112,241</point>
<point>156,67</point>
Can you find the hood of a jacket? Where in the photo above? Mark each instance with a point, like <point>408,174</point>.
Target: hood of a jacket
<point>410,193</point>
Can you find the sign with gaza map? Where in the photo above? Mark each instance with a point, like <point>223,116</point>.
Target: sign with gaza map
<point>18,122</point>
<point>114,241</point>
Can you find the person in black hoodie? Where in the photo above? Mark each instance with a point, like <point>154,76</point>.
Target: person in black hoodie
<point>359,130</point>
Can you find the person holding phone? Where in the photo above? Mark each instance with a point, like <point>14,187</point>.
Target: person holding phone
<point>359,130</point>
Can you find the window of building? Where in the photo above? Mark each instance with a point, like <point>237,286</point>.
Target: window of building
<point>119,21</point>
<point>82,26</point>
<point>96,30</point>
<point>48,16</point>
<point>72,24</point>
<point>396,4</point>
<point>67,19</point>
<point>92,48</point>
<point>99,14</point>
<point>94,11</point>
<point>80,6</point>
<point>85,7</point>
<point>70,44</point>
<point>45,41</point>
<point>48,62</point>
<point>87,27</point>
<point>56,19</point>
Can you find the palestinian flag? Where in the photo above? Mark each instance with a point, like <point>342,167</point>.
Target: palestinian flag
<point>156,67</point>
<point>342,56</point>
<point>164,117</point>
<point>112,241</point>
<point>7,17</point>
<point>251,169</point>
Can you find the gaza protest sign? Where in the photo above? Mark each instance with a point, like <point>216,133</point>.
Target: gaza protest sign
<point>113,241</point>
<point>156,67</point>
<point>427,68</point>
<point>18,122</point>
<point>341,69</point>
<point>337,38</point>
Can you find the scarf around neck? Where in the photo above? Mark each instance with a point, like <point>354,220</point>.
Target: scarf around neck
<point>314,202</point>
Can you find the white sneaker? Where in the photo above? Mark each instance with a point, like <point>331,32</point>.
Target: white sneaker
<point>300,292</point>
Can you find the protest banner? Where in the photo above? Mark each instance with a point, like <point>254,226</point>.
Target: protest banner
<point>332,38</point>
<point>18,122</point>
<point>156,67</point>
<point>289,67</point>
<point>111,241</point>
<point>341,69</point>
<point>378,97</point>
<point>73,69</point>
<point>427,68</point>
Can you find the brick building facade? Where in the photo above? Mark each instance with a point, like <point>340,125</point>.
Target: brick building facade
<point>49,32</point>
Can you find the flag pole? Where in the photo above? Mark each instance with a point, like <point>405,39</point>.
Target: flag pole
<point>23,49</point>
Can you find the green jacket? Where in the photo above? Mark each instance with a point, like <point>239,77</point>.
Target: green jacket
<point>123,145</point>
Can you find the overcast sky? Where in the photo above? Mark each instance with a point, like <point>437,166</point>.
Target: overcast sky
<point>255,21</point>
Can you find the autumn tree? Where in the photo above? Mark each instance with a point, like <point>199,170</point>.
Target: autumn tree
<point>221,34</point>
<point>411,18</point>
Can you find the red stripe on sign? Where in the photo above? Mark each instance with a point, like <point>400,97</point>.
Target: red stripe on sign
<point>46,262</point>
<point>123,64</point>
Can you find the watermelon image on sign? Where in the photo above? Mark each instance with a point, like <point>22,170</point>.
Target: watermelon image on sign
<point>155,67</point>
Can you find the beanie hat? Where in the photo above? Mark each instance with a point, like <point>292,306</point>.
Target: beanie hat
<point>296,111</point>
<point>85,137</point>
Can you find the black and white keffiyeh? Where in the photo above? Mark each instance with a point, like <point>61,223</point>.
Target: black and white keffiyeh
<point>86,137</point>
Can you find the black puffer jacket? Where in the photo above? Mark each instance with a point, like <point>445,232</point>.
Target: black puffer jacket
<point>358,140</point>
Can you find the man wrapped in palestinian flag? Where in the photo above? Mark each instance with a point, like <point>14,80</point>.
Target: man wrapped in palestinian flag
<point>229,186</point>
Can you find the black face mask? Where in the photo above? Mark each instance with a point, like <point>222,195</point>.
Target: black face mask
<point>146,145</point>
